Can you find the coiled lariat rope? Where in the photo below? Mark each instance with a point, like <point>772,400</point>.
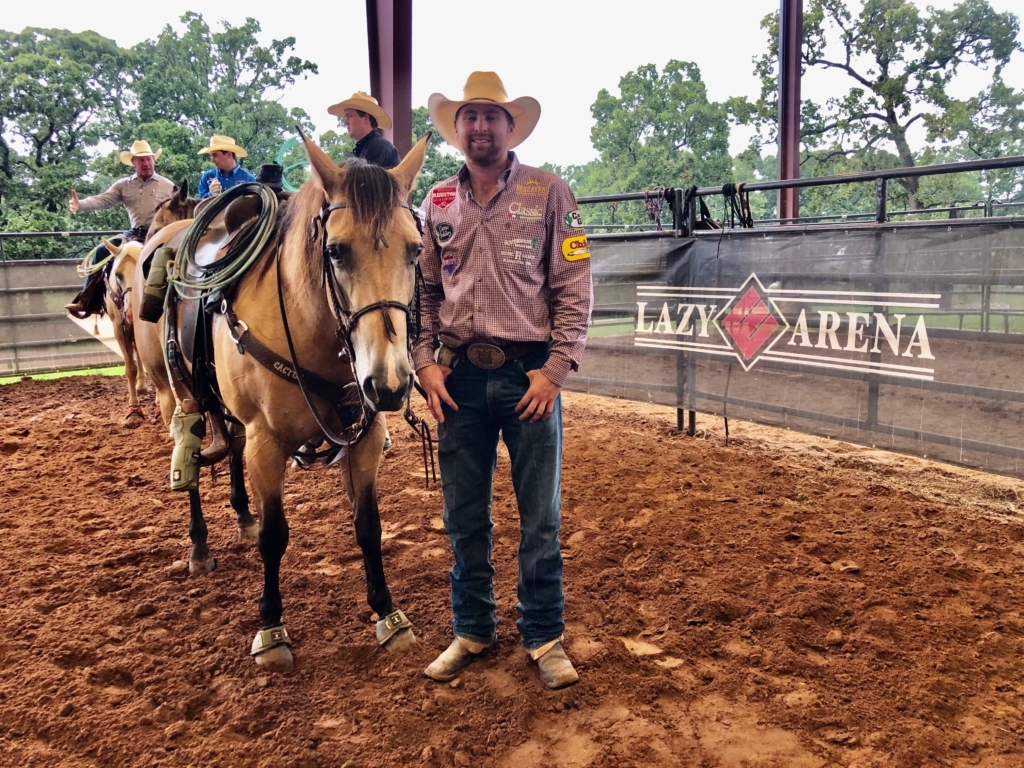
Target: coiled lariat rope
<point>224,272</point>
<point>87,268</point>
<point>241,254</point>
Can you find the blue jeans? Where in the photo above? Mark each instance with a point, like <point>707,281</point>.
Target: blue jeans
<point>467,452</point>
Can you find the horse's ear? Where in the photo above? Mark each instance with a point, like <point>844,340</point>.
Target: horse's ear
<point>409,169</point>
<point>325,170</point>
<point>183,190</point>
<point>114,249</point>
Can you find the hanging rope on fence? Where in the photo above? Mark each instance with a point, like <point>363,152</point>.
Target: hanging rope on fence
<point>654,199</point>
<point>737,205</point>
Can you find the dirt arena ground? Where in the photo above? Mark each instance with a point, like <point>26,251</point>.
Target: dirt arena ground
<point>780,601</point>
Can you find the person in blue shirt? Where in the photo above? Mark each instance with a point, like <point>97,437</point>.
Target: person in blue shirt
<point>226,173</point>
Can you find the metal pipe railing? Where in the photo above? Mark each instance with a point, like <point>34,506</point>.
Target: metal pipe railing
<point>967,166</point>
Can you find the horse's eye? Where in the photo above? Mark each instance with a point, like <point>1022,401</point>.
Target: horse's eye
<point>416,251</point>
<point>338,253</point>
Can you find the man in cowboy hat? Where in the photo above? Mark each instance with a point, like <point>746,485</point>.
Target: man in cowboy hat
<point>226,172</point>
<point>364,120</point>
<point>140,194</point>
<point>505,303</point>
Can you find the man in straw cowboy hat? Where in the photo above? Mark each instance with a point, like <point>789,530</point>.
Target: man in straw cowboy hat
<point>140,194</point>
<point>364,120</point>
<point>226,172</point>
<point>505,304</point>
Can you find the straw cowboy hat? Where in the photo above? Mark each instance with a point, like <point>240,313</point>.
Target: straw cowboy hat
<point>484,88</point>
<point>364,102</point>
<point>139,149</point>
<point>224,144</point>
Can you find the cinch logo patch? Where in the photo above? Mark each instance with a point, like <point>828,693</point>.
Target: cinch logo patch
<point>576,248</point>
<point>442,197</point>
<point>444,232</point>
<point>873,332</point>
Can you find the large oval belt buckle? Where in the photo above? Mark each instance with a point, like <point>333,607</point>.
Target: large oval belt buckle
<point>486,356</point>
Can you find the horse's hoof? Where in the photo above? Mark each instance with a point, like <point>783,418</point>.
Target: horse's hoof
<point>133,417</point>
<point>249,532</point>
<point>202,567</point>
<point>403,640</point>
<point>394,632</point>
<point>280,657</point>
<point>272,648</point>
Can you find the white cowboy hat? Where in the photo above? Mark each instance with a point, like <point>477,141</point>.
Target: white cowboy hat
<point>484,88</point>
<point>224,144</point>
<point>139,149</point>
<point>363,102</point>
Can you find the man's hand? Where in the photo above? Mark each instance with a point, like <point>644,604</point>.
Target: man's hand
<point>539,400</point>
<point>432,380</point>
<point>73,205</point>
<point>214,187</point>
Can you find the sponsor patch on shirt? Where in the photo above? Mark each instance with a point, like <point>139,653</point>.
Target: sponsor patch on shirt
<point>448,262</point>
<point>444,232</point>
<point>576,248</point>
<point>442,197</point>
<point>531,187</point>
<point>522,242</point>
<point>573,220</point>
<point>524,212</point>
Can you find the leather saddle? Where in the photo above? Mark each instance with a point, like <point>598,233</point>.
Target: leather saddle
<point>213,246</point>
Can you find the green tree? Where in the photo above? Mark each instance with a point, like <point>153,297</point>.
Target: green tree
<point>660,130</point>
<point>55,86</point>
<point>213,82</point>
<point>900,62</point>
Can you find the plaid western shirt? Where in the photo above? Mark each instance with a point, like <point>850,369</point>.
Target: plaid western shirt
<point>140,198</point>
<point>514,270</point>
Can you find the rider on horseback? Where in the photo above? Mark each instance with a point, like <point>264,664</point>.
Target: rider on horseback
<point>140,194</point>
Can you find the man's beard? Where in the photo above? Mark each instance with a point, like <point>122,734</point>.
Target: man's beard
<point>485,154</point>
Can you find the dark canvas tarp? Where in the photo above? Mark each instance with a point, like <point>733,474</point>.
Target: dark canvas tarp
<point>905,336</point>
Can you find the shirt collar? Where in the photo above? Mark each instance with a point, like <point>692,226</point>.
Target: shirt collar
<point>503,180</point>
<point>366,139</point>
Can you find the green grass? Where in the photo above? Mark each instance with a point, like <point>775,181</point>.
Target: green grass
<point>116,370</point>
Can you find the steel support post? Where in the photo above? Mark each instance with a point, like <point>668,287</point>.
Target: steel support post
<point>881,192</point>
<point>389,39</point>
<point>791,34</point>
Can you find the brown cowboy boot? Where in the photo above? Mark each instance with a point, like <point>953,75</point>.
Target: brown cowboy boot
<point>90,300</point>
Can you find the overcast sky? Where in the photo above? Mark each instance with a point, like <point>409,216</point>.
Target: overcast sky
<point>560,51</point>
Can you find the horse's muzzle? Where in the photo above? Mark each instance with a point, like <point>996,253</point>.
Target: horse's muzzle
<point>384,397</point>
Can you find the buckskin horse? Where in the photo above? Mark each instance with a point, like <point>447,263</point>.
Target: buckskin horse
<point>118,309</point>
<point>329,298</point>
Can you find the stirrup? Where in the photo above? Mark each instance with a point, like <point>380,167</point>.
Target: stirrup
<point>188,430</point>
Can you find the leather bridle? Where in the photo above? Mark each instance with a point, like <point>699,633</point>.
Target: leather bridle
<point>347,318</point>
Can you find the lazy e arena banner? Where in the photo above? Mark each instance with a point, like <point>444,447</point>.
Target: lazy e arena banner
<point>907,337</point>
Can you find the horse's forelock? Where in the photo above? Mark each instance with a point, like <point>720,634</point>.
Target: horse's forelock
<point>371,193</point>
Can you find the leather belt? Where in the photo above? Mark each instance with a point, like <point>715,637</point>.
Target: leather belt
<point>490,356</point>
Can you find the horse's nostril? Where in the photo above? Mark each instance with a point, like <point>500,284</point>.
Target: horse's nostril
<point>370,389</point>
